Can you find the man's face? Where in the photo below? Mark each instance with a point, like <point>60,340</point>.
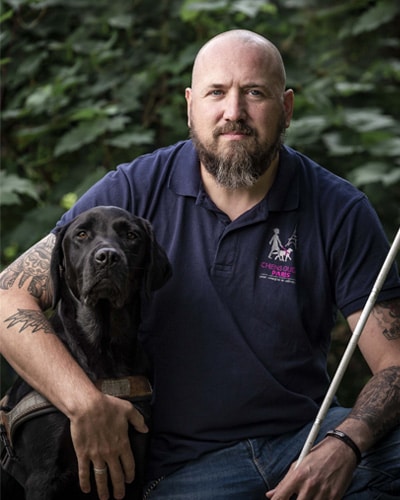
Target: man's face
<point>237,113</point>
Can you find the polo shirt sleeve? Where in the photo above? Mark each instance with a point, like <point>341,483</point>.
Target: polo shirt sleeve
<point>359,248</point>
<point>111,190</point>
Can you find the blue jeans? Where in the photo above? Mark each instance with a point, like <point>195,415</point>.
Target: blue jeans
<point>248,469</point>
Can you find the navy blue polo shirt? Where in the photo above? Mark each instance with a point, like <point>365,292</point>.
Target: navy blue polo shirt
<point>240,334</point>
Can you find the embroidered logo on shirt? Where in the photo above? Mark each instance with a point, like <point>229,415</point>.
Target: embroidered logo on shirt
<point>279,264</point>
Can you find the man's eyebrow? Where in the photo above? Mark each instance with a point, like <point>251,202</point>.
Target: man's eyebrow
<point>258,85</point>
<point>215,86</point>
<point>255,84</point>
<point>244,86</point>
<point>210,87</point>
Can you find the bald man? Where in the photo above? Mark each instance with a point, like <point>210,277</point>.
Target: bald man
<point>266,248</point>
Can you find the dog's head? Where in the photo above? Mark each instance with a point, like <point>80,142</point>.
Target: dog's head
<point>106,253</point>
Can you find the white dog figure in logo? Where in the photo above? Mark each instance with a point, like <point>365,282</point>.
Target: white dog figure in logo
<point>284,255</point>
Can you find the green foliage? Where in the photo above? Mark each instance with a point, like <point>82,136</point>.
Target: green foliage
<point>348,95</point>
<point>12,187</point>
<point>87,85</point>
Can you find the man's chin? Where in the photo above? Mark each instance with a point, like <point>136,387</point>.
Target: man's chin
<point>230,147</point>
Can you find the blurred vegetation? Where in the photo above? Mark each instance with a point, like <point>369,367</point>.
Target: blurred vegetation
<point>86,85</point>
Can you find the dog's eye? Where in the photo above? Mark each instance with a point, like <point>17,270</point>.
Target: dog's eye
<point>82,235</point>
<point>131,235</point>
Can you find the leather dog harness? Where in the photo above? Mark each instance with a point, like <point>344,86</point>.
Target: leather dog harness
<point>133,388</point>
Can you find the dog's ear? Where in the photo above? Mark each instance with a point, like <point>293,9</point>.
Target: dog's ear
<point>158,268</point>
<point>57,264</point>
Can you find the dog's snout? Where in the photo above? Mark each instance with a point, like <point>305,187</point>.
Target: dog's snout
<point>106,257</point>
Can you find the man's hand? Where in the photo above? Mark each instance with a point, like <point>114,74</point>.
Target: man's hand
<point>324,474</point>
<point>100,437</point>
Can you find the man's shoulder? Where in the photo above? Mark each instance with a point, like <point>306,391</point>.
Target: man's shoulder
<point>174,166</point>
<point>319,177</point>
<point>165,155</point>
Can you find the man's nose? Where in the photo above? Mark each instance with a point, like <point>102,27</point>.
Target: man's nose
<point>235,108</point>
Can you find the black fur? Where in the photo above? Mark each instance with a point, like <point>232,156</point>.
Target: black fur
<point>102,261</point>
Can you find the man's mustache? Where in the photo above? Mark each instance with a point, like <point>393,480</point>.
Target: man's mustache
<point>230,127</point>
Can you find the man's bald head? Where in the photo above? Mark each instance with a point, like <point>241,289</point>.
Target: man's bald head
<point>228,40</point>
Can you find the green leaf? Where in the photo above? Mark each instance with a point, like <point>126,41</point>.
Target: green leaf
<point>129,139</point>
<point>12,187</point>
<point>306,130</point>
<point>121,21</point>
<point>336,146</point>
<point>86,132</point>
<point>41,218</point>
<point>191,8</point>
<point>374,172</point>
<point>87,113</point>
<point>68,200</point>
<point>40,97</point>
<point>379,14</point>
<point>364,120</point>
<point>351,88</point>
<point>6,15</point>
<point>389,147</point>
<point>252,7</point>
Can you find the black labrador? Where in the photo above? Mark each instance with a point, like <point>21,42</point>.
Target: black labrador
<point>102,263</point>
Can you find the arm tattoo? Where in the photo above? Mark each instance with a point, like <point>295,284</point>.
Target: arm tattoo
<point>29,319</point>
<point>33,265</point>
<point>387,315</point>
<point>379,402</point>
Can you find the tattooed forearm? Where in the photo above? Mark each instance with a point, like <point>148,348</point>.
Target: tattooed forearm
<point>27,318</point>
<point>388,317</point>
<point>32,269</point>
<point>379,403</point>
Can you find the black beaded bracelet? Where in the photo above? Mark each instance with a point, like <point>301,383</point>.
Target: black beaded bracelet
<point>347,440</point>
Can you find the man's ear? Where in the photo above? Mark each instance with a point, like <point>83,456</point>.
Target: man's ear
<point>288,105</point>
<point>188,97</point>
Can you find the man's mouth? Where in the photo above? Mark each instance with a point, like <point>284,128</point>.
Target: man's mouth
<point>234,131</point>
<point>234,135</point>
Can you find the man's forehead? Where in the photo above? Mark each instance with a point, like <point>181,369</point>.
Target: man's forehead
<point>252,64</point>
<point>227,73</point>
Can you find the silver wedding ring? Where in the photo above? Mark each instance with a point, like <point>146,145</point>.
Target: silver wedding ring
<point>99,470</point>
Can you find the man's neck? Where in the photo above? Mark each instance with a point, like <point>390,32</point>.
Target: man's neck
<point>235,202</point>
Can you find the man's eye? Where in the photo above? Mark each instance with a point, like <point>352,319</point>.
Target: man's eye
<point>255,93</point>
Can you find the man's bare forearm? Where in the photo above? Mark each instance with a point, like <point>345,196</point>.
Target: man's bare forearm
<point>27,338</point>
<point>378,405</point>
<point>25,293</point>
<point>31,272</point>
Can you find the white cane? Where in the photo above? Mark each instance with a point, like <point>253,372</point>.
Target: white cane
<point>350,348</point>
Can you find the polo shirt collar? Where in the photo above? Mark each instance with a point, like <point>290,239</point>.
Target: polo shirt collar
<point>284,193</point>
<point>185,179</point>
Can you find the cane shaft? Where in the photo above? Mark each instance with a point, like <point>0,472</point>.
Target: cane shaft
<point>350,348</point>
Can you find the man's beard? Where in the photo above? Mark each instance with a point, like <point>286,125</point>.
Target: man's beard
<point>245,161</point>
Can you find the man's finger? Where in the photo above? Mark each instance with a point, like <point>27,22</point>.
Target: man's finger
<point>128,465</point>
<point>137,420</point>
<point>101,479</point>
<point>84,475</point>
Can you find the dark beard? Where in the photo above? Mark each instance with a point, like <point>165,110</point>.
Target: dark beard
<point>245,162</point>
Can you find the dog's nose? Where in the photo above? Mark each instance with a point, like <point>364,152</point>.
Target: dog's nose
<point>106,257</point>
